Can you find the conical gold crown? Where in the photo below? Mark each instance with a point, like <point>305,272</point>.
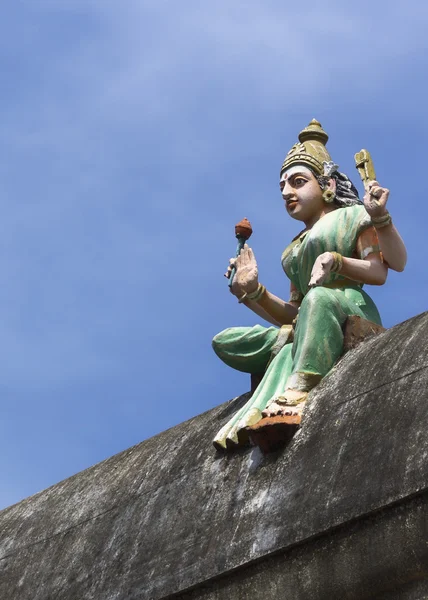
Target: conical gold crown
<point>310,151</point>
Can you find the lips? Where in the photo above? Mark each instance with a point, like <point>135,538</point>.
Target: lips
<point>291,204</point>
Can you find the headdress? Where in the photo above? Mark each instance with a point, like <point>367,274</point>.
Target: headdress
<point>311,151</point>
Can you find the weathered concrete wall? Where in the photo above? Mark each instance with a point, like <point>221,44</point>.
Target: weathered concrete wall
<point>341,513</point>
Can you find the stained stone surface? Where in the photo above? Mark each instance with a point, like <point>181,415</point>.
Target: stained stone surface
<point>342,512</point>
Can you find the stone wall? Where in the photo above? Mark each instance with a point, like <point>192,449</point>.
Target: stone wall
<point>341,513</point>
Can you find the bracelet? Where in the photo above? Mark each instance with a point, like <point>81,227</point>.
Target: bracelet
<point>384,223</point>
<point>337,262</point>
<point>381,219</point>
<point>254,296</point>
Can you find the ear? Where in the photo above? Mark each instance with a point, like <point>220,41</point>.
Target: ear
<point>331,185</point>
<point>329,192</point>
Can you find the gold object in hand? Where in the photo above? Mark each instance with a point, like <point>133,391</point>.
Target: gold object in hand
<point>365,166</point>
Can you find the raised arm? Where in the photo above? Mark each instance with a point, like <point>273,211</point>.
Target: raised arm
<point>249,291</point>
<point>390,241</point>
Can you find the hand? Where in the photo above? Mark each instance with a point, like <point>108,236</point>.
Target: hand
<point>375,199</point>
<point>246,278</point>
<point>321,269</point>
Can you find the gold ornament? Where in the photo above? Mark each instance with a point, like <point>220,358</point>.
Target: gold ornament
<point>328,196</point>
<point>255,296</point>
<point>310,151</point>
<point>382,221</point>
<point>337,262</point>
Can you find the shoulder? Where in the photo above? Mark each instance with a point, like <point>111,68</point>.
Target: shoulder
<point>356,211</point>
<point>354,216</point>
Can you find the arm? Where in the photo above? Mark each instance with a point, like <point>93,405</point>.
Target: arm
<point>258,310</point>
<point>390,241</point>
<point>269,307</point>
<point>278,311</point>
<point>369,268</point>
<point>393,248</point>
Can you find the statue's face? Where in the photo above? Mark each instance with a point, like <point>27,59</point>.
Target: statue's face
<point>302,194</point>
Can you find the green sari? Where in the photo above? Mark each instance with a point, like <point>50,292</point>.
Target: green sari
<point>318,335</point>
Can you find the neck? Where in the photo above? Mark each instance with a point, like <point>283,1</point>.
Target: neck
<point>327,209</point>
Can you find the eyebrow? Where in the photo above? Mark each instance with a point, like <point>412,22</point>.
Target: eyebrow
<point>301,174</point>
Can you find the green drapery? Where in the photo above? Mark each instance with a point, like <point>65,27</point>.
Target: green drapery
<point>318,336</point>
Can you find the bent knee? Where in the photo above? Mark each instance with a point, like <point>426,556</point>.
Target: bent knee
<point>221,340</point>
<point>317,297</point>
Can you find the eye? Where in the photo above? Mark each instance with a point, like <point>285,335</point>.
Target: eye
<point>299,181</point>
<point>281,185</point>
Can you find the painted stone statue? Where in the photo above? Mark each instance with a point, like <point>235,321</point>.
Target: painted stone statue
<point>345,243</point>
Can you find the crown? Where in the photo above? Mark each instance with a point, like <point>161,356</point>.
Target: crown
<point>310,150</point>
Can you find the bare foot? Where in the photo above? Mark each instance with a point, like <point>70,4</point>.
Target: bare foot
<point>292,402</point>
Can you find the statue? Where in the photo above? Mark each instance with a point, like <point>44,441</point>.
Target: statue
<point>345,244</point>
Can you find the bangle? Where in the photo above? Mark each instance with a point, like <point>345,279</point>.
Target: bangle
<point>255,296</point>
<point>337,262</point>
<point>386,221</point>
<point>381,219</point>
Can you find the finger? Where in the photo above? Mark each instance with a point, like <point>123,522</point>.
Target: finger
<point>376,191</point>
<point>326,261</point>
<point>368,200</point>
<point>232,262</point>
<point>244,255</point>
<point>372,183</point>
<point>382,195</point>
<point>318,277</point>
<point>371,202</point>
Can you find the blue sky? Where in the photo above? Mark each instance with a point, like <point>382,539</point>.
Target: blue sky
<point>135,134</point>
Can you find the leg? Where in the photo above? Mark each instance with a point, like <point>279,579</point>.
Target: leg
<point>318,343</point>
<point>246,349</point>
<point>273,382</point>
<point>318,340</point>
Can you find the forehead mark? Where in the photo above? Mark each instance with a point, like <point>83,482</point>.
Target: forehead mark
<point>297,170</point>
<point>302,170</point>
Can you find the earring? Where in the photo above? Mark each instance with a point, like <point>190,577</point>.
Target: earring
<point>328,196</point>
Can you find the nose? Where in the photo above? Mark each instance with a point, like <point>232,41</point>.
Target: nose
<point>287,192</point>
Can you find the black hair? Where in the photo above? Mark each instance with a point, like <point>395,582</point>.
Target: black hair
<point>346,192</point>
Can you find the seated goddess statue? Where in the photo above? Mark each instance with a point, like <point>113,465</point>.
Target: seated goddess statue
<point>345,244</point>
